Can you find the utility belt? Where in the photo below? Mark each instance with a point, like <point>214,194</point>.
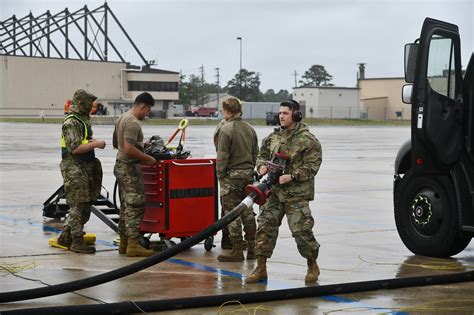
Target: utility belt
<point>85,157</point>
<point>127,162</point>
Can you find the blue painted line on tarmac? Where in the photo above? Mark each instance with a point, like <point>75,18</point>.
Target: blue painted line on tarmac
<point>206,268</point>
<point>48,228</point>
<point>274,285</point>
<point>355,304</point>
<point>318,217</point>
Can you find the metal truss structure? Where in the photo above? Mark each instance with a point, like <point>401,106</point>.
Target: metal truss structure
<point>83,34</point>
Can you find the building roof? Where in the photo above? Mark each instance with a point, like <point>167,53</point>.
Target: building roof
<point>327,87</point>
<point>392,78</point>
<point>147,69</point>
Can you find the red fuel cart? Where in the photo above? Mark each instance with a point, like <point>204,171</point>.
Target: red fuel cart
<point>181,198</point>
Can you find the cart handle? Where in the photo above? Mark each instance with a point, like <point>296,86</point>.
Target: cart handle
<point>192,164</point>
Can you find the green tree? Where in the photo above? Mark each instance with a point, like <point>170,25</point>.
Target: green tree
<point>193,91</point>
<point>271,96</point>
<point>250,86</point>
<point>184,93</point>
<point>316,76</point>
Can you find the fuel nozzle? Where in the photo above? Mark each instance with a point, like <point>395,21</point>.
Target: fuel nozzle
<point>261,191</point>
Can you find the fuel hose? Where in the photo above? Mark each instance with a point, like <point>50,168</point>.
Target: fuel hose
<point>245,298</point>
<point>129,269</point>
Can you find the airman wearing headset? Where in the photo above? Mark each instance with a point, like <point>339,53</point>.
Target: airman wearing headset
<point>292,194</point>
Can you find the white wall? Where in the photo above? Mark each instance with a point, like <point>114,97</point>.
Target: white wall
<point>328,102</point>
<point>31,84</point>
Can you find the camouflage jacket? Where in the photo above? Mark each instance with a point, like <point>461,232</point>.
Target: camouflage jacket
<point>74,132</point>
<point>216,132</point>
<point>237,147</point>
<point>305,155</point>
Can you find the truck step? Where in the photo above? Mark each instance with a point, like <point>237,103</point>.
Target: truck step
<point>467,228</point>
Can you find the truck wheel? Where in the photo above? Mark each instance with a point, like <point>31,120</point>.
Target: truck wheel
<point>426,215</point>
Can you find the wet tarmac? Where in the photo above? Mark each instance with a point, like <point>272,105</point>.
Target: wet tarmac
<point>353,210</point>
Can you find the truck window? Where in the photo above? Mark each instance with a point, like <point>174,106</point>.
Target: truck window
<point>441,74</point>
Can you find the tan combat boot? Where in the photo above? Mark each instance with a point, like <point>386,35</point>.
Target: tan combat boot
<point>235,255</point>
<point>260,272</point>
<point>65,239</point>
<point>251,250</point>
<point>313,271</point>
<point>123,244</point>
<point>134,249</point>
<point>79,246</point>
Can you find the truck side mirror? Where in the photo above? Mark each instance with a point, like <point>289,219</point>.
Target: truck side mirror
<point>406,93</point>
<point>411,51</point>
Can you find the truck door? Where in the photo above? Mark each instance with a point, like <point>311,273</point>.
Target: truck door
<point>469,102</point>
<point>437,112</point>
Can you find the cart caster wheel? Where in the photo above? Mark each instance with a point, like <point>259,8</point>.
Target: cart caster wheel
<point>209,243</point>
<point>144,241</point>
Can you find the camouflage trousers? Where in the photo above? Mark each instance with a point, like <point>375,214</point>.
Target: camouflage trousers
<point>132,198</point>
<point>232,190</point>
<point>79,215</point>
<point>300,222</point>
<point>82,184</point>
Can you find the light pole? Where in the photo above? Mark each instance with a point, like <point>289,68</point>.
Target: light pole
<point>240,71</point>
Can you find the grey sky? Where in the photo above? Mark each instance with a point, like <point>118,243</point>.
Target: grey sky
<point>279,37</point>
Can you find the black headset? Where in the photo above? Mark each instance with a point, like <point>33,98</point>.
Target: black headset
<point>294,106</point>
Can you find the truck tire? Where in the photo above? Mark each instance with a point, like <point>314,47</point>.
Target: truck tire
<point>427,217</point>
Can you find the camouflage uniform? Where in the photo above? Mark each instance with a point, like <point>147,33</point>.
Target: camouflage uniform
<point>132,197</point>
<point>293,197</point>
<point>129,176</point>
<point>237,149</point>
<point>82,173</point>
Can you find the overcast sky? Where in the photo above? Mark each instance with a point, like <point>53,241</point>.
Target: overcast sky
<point>278,37</point>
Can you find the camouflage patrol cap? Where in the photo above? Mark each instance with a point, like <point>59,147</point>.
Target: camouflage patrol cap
<point>232,105</point>
<point>82,96</point>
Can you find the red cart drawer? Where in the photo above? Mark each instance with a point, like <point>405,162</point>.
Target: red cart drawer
<point>181,197</point>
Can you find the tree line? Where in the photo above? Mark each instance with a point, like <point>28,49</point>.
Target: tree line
<point>246,85</point>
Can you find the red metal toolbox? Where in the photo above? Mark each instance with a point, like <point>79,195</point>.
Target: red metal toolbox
<point>181,197</point>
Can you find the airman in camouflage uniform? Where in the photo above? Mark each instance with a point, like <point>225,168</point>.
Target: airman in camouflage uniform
<point>81,171</point>
<point>291,195</point>
<point>226,243</point>
<point>237,149</point>
<point>128,139</point>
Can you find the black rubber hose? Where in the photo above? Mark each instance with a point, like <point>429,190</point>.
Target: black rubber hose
<point>245,298</point>
<point>123,271</point>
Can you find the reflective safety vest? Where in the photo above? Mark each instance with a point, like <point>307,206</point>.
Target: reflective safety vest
<point>87,135</point>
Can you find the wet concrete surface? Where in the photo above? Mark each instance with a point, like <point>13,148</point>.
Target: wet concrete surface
<point>353,210</point>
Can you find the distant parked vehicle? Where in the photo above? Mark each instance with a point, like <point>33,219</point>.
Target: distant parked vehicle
<point>272,119</point>
<point>202,112</point>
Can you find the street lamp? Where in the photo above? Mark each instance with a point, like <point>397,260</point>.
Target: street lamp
<point>240,71</point>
